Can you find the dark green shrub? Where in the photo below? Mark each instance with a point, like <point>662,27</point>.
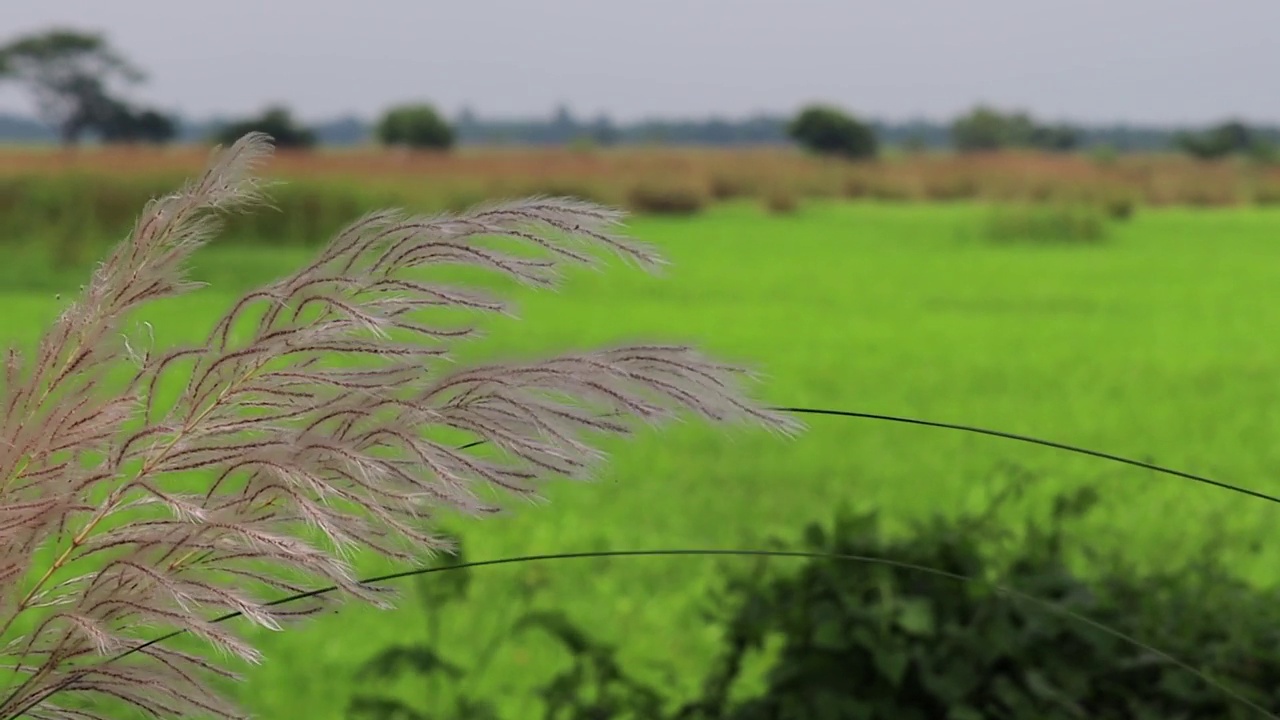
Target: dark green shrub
<point>985,129</point>
<point>919,629</point>
<point>593,685</point>
<point>1104,155</point>
<point>416,126</point>
<point>889,641</point>
<point>1223,140</point>
<point>828,131</point>
<point>1119,206</point>
<point>444,680</point>
<point>1058,223</point>
<point>656,199</point>
<point>275,121</point>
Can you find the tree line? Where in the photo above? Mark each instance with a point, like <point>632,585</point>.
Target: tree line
<point>77,80</point>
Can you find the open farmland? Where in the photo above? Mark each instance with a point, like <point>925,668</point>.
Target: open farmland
<point>1157,344</point>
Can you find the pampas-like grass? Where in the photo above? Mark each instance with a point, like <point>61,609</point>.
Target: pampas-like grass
<point>300,434</point>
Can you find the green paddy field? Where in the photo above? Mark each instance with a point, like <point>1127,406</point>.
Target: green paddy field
<point>1162,344</point>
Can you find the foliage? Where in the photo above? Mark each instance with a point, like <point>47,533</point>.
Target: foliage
<point>1119,206</point>
<point>830,131</point>
<point>124,124</point>
<point>305,431</point>
<point>1229,138</point>
<point>275,121</point>
<point>593,685</point>
<point>1069,223</point>
<point>985,129</point>
<point>415,126</point>
<point>918,629</point>
<point>444,683</point>
<point>1054,138</point>
<point>69,73</point>
<point>666,199</point>
<point>885,640</point>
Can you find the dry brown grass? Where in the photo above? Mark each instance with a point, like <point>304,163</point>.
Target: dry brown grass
<point>614,175</point>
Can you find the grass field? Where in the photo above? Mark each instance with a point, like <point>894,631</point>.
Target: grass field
<point>1157,345</point>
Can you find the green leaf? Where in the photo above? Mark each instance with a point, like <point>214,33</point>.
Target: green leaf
<point>915,616</point>
<point>892,664</point>
<point>829,635</point>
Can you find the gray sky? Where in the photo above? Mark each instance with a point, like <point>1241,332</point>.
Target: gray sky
<point>1160,61</point>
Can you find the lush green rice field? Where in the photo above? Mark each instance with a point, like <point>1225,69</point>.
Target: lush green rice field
<point>1161,345</point>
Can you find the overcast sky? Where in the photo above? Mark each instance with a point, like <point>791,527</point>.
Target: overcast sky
<point>1161,61</point>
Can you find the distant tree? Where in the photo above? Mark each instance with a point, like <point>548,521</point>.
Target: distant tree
<point>275,121</point>
<point>603,132</point>
<point>1225,139</point>
<point>829,131</point>
<point>349,130</point>
<point>127,125</point>
<point>93,109</point>
<point>69,73</point>
<point>718,131</point>
<point>563,119</point>
<point>416,126</point>
<point>985,128</point>
<point>1055,138</point>
<point>466,124</point>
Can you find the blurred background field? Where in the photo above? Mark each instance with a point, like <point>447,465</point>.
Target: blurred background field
<point>1104,288</point>
<point>1148,344</point>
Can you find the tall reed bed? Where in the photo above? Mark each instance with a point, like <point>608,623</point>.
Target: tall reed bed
<point>613,175</point>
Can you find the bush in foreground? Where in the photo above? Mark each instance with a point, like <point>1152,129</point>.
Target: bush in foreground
<point>958,619</point>
<point>888,640</point>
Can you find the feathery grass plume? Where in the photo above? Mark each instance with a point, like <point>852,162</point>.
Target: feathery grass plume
<point>300,433</point>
